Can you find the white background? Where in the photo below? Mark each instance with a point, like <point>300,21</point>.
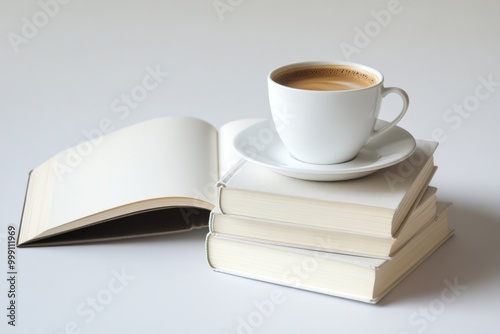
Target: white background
<point>61,79</point>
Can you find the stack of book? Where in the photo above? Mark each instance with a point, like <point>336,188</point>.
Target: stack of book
<point>355,239</point>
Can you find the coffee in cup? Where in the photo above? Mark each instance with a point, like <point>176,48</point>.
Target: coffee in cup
<point>326,77</point>
<point>325,112</point>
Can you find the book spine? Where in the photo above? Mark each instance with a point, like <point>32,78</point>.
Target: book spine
<point>221,184</point>
<point>211,221</point>
<point>18,243</point>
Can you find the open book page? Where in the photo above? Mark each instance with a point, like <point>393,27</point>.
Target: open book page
<point>170,157</point>
<point>228,157</point>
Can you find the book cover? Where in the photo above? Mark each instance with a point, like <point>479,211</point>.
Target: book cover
<point>376,204</point>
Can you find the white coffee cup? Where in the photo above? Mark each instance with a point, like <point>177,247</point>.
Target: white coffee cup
<point>325,112</point>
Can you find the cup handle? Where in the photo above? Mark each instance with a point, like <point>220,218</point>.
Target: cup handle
<point>406,102</point>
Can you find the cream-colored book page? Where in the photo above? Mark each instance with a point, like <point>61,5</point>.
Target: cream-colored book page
<point>228,157</point>
<point>171,157</point>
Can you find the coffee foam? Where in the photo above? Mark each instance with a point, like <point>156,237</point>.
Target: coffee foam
<point>341,77</point>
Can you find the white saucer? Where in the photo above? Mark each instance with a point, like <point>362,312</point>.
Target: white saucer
<point>260,143</point>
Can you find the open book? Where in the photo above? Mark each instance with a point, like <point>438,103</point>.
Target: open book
<point>154,177</point>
